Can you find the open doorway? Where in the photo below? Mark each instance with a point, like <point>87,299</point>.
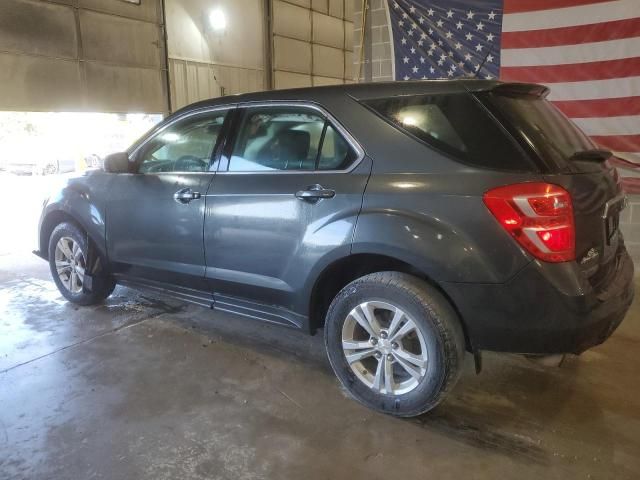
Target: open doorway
<point>38,150</point>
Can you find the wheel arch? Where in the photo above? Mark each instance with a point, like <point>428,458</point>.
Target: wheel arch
<point>55,217</point>
<point>343,271</point>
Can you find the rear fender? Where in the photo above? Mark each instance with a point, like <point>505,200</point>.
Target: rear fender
<point>477,250</point>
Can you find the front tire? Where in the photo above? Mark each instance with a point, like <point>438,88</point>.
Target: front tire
<point>68,249</point>
<point>395,343</point>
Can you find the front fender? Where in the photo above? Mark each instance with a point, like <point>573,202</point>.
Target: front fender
<point>81,200</point>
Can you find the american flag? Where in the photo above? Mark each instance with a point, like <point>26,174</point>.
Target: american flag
<point>586,51</point>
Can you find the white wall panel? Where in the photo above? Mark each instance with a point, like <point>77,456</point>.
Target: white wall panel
<point>291,80</point>
<point>291,21</point>
<point>291,55</point>
<point>322,50</point>
<point>328,30</point>
<point>328,62</point>
<point>204,63</point>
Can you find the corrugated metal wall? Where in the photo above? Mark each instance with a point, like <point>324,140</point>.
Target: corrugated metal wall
<point>204,63</point>
<point>82,55</point>
<point>312,42</point>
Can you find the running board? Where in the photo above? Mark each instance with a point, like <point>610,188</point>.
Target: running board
<point>223,303</point>
<point>259,311</point>
<point>189,295</point>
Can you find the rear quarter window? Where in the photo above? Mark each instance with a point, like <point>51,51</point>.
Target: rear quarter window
<point>455,124</point>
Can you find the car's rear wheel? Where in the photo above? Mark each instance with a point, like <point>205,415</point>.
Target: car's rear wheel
<point>68,248</point>
<point>395,343</point>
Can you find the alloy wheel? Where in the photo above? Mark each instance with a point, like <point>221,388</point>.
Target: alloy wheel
<point>384,348</point>
<point>70,264</point>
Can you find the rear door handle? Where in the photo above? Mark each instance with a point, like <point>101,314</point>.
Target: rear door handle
<point>185,195</point>
<point>314,193</point>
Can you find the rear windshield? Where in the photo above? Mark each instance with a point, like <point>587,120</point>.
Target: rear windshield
<point>456,124</point>
<point>541,125</point>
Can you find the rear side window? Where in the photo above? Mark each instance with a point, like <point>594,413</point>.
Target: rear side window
<point>288,138</point>
<point>336,154</point>
<point>455,124</point>
<point>281,138</point>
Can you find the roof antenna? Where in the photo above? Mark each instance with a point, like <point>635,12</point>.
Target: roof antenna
<point>482,64</point>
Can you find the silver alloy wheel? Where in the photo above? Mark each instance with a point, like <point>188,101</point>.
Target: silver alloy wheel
<point>384,348</point>
<point>70,264</point>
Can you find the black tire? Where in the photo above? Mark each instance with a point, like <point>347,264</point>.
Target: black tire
<point>433,316</point>
<point>103,284</point>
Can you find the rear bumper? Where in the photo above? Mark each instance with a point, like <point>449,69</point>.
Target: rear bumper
<point>545,309</point>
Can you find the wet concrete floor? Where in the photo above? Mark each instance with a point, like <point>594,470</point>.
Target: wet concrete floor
<point>141,388</point>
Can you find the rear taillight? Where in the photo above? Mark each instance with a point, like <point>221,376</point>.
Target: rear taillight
<point>539,216</point>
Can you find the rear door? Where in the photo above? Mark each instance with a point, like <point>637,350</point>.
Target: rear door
<point>559,147</point>
<point>285,201</point>
<point>155,215</point>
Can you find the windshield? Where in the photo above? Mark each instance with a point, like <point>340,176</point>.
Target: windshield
<point>542,126</point>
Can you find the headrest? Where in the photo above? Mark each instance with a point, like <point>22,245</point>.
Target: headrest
<point>295,143</point>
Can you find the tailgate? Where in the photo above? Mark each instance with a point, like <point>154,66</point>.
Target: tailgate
<point>597,203</point>
<point>565,156</point>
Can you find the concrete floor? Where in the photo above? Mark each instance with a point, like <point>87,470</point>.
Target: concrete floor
<point>141,388</point>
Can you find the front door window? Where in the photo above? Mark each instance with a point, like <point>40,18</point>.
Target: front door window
<point>186,146</point>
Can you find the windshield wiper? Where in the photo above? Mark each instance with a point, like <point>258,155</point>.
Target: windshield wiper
<point>593,155</point>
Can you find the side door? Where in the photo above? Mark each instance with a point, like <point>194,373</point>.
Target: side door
<point>155,215</point>
<point>285,200</point>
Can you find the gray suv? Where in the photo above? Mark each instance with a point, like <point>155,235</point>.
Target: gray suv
<point>411,221</point>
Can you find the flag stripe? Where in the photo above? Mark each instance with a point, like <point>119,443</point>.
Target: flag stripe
<point>622,143</point>
<point>581,53</point>
<point>568,17</point>
<point>595,32</point>
<point>588,53</point>
<point>516,6</point>
<point>622,125</point>
<point>573,73</point>
<point>631,185</point>
<point>605,107</point>
<point>588,90</point>
<point>631,160</point>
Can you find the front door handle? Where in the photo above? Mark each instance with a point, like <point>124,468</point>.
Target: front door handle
<point>314,193</point>
<point>185,195</point>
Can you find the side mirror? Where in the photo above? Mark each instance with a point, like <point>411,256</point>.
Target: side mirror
<point>117,163</point>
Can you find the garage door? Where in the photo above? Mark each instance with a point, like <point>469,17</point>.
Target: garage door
<point>82,55</point>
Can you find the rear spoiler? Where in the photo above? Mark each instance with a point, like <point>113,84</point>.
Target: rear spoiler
<point>521,89</point>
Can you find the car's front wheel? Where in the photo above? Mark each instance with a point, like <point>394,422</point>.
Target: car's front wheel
<point>68,248</point>
<point>395,343</point>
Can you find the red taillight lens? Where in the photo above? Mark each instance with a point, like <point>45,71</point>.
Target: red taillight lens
<point>539,216</point>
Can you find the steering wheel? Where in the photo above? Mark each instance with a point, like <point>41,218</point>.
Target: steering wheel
<point>190,163</point>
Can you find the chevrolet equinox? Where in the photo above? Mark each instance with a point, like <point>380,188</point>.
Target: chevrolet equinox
<point>411,221</point>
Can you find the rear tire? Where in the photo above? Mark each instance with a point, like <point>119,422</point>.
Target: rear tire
<point>67,261</point>
<point>403,367</point>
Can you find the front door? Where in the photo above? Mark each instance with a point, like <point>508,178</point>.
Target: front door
<point>155,216</point>
<point>286,200</point>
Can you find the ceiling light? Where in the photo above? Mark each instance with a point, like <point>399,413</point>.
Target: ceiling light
<point>218,20</point>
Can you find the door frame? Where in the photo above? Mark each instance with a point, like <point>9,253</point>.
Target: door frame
<point>210,173</point>
<point>245,306</point>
